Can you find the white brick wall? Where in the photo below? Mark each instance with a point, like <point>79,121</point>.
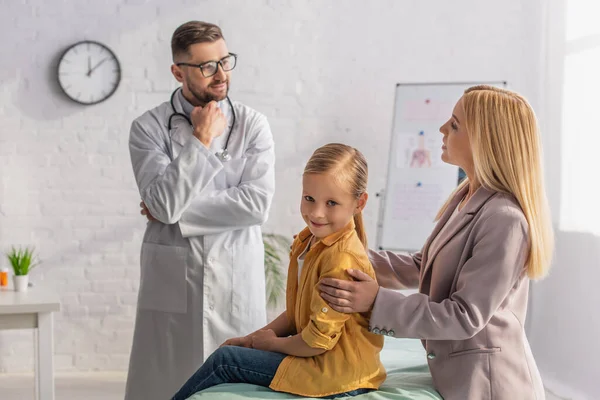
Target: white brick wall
<point>320,70</point>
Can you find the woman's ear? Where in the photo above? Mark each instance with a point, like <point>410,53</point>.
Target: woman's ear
<point>362,202</point>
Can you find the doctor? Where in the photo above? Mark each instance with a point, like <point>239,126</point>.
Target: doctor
<point>204,169</point>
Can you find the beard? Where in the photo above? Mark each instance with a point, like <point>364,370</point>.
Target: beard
<point>204,97</point>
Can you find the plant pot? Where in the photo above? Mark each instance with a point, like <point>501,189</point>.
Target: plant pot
<point>21,282</point>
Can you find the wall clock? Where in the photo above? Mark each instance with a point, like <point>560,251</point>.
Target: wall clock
<point>88,72</point>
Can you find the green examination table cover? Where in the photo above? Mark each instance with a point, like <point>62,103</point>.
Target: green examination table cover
<point>408,378</point>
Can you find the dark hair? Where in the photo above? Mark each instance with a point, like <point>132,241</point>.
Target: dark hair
<point>193,32</point>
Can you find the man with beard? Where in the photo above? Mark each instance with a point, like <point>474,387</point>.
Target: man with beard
<point>204,167</point>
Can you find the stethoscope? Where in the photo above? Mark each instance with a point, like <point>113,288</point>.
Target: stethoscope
<point>222,154</point>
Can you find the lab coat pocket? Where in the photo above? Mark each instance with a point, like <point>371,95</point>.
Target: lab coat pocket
<point>234,170</point>
<point>163,284</point>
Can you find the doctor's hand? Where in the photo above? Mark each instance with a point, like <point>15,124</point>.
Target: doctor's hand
<point>263,339</point>
<point>146,212</point>
<point>244,341</point>
<point>350,296</point>
<point>209,122</point>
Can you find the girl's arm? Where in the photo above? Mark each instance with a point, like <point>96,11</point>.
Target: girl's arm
<point>294,346</point>
<point>280,325</point>
<point>325,327</point>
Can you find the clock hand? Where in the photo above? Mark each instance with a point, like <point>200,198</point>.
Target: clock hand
<point>97,65</point>
<point>89,66</point>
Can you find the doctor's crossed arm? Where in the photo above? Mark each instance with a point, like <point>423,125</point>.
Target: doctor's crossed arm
<point>168,186</point>
<point>236,207</point>
<point>248,203</point>
<point>208,123</point>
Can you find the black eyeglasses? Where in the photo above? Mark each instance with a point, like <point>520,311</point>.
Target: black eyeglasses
<point>210,68</point>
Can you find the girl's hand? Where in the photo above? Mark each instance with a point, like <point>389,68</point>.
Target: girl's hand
<point>263,339</point>
<point>244,341</point>
<point>350,296</point>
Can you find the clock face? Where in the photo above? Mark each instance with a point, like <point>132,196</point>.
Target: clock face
<point>89,72</point>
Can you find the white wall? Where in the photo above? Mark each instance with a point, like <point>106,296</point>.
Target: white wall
<point>320,70</point>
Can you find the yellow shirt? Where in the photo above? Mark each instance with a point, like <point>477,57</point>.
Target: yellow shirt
<point>352,358</point>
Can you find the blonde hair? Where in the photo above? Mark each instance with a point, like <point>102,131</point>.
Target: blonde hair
<point>507,156</point>
<point>349,167</point>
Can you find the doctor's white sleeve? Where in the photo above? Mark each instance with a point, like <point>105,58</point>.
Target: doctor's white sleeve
<point>168,187</point>
<point>238,207</point>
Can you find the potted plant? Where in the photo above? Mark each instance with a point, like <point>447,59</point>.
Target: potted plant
<point>277,250</point>
<point>22,262</point>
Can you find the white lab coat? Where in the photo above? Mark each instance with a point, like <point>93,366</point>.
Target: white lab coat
<point>202,266</point>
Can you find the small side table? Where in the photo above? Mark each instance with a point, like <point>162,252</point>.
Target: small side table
<point>33,309</point>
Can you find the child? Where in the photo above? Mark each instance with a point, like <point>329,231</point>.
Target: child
<point>310,349</point>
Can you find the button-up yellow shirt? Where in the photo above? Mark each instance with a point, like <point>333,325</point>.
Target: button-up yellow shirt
<point>352,358</point>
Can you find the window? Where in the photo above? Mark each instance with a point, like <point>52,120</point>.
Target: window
<point>580,140</point>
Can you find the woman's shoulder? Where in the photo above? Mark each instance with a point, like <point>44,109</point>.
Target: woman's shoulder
<point>504,204</point>
<point>503,209</point>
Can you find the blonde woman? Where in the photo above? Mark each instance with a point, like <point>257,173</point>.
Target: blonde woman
<point>492,236</point>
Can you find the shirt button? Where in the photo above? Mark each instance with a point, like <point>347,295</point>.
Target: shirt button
<point>376,331</point>
<point>212,307</point>
<point>391,333</point>
<point>383,332</point>
<point>211,259</point>
<point>324,309</point>
<point>431,356</point>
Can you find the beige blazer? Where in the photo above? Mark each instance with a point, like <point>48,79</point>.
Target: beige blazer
<point>472,301</point>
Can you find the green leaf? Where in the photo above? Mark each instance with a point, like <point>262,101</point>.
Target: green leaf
<point>276,265</point>
<point>21,260</point>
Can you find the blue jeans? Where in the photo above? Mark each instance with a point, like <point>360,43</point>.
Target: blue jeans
<point>231,364</point>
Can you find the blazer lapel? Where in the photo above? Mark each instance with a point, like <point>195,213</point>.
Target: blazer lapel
<point>440,224</point>
<point>456,225</point>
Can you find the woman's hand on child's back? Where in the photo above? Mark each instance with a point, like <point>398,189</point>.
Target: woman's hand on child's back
<point>263,339</point>
<point>350,296</point>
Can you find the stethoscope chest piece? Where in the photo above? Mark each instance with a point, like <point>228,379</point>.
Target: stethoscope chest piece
<point>223,155</point>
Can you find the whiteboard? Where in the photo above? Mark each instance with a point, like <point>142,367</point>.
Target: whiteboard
<point>418,181</point>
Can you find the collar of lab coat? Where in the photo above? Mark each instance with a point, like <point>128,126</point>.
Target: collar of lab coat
<point>331,239</point>
<point>186,106</point>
